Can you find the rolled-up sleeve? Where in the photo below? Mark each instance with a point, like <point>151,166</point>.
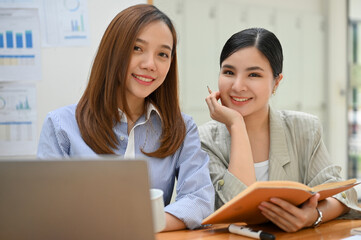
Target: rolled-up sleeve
<point>227,187</point>
<point>321,170</point>
<point>195,193</point>
<point>348,198</point>
<point>51,143</point>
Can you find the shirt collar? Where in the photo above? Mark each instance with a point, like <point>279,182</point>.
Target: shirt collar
<point>149,110</point>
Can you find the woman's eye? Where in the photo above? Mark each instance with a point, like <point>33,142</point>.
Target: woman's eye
<point>254,75</point>
<point>165,55</point>
<point>136,48</point>
<point>227,72</point>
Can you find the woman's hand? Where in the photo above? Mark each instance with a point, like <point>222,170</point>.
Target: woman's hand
<point>241,159</point>
<point>222,113</point>
<point>289,217</point>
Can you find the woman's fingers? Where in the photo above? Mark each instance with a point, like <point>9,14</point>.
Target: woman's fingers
<point>209,90</point>
<point>210,105</point>
<point>279,216</point>
<point>212,102</point>
<point>287,216</point>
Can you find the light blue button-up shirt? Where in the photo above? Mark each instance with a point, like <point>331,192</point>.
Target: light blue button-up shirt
<point>60,138</point>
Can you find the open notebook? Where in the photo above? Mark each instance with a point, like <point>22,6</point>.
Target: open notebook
<point>75,199</point>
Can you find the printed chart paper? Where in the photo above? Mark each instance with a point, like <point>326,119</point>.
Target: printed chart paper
<point>17,119</point>
<point>19,45</point>
<point>66,23</point>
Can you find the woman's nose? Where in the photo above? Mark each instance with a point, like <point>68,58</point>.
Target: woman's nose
<point>239,84</point>
<point>148,62</point>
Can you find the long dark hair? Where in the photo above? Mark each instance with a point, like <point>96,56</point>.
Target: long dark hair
<point>97,110</point>
<point>265,41</point>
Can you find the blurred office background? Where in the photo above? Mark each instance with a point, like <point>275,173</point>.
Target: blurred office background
<point>316,38</point>
<point>322,57</point>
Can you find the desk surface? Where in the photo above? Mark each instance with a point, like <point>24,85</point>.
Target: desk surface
<point>336,229</point>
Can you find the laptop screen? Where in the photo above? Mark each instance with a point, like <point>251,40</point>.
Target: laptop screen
<point>75,199</point>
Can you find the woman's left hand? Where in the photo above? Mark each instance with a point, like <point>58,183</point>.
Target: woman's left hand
<point>288,217</point>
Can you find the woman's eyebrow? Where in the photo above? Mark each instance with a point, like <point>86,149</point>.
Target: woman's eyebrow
<point>228,66</point>
<point>145,42</point>
<point>254,68</point>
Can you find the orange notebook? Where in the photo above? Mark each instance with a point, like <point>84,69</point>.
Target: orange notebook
<point>244,206</point>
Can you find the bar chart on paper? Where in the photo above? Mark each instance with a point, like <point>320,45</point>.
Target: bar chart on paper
<point>17,119</point>
<point>16,107</point>
<point>19,45</point>
<point>13,42</point>
<point>73,12</point>
<point>66,23</point>
<point>8,38</point>
<point>76,16</point>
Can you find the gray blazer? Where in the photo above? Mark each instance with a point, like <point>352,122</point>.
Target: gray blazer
<point>297,153</point>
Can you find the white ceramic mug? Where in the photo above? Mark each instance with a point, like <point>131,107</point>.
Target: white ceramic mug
<point>156,196</point>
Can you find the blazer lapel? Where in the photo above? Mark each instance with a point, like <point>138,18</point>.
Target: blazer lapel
<point>279,154</point>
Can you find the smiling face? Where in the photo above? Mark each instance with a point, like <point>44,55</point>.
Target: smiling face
<point>150,61</point>
<point>246,82</point>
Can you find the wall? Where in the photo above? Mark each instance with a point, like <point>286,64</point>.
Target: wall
<point>337,82</point>
<point>205,25</point>
<point>65,70</point>
<point>315,55</point>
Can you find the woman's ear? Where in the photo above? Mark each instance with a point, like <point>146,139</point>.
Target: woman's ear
<point>278,80</point>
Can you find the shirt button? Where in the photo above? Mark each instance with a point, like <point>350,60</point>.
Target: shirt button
<point>343,194</point>
<point>220,184</point>
<point>121,138</point>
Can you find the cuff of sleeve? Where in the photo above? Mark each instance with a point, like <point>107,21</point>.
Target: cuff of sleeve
<point>191,212</point>
<point>349,199</point>
<point>185,211</point>
<point>228,187</point>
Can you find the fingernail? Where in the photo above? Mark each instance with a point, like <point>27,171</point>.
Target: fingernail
<point>209,90</point>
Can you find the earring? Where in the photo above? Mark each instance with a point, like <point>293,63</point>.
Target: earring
<point>274,92</point>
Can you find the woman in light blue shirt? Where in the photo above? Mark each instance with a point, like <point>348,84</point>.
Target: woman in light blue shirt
<point>130,108</point>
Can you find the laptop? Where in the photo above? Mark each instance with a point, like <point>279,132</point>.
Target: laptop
<point>75,199</point>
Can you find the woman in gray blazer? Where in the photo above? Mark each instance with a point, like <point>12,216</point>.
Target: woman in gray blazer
<point>249,141</point>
